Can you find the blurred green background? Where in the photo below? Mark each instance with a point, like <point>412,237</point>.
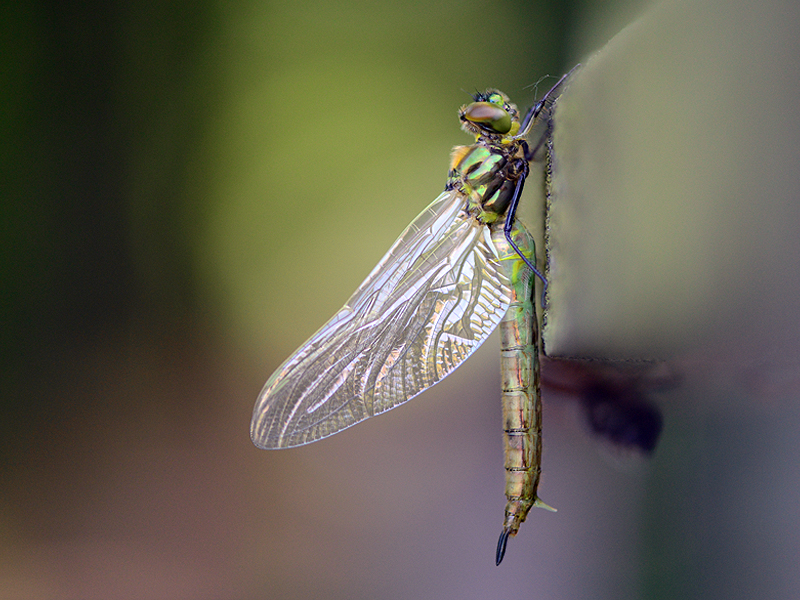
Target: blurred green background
<point>189,191</point>
<point>172,162</point>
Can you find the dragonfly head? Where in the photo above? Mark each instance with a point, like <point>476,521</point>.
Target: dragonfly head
<point>491,115</point>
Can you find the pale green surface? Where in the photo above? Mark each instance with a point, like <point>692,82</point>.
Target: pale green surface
<point>675,214</point>
<point>676,223</point>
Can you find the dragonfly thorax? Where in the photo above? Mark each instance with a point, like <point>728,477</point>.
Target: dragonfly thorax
<point>487,175</point>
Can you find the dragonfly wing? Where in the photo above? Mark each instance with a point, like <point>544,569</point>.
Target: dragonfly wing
<point>430,302</point>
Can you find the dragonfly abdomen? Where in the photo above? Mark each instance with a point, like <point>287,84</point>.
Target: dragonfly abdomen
<point>522,410</point>
<point>521,395</point>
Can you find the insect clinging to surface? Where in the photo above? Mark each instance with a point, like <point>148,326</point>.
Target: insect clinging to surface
<point>464,266</point>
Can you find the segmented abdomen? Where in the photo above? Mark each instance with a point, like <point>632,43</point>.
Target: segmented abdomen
<point>522,409</point>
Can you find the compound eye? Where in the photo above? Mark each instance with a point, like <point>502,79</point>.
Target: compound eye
<point>488,116</point>
<point>496,98</point>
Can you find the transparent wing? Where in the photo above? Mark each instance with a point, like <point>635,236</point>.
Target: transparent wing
<point>431,301</point>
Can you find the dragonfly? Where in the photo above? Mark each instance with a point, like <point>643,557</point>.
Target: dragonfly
<point>463,267</point>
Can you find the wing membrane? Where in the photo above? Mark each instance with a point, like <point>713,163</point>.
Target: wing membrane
<point>435,296</point>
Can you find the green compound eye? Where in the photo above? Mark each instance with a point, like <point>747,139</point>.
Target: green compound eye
<point>496,98</point>
<point>488,116</point>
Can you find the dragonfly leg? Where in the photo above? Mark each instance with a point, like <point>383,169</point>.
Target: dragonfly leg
<point>545,104</point>
<point>509,224</point>
<point>530,115</point>
<point>531,152</point>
